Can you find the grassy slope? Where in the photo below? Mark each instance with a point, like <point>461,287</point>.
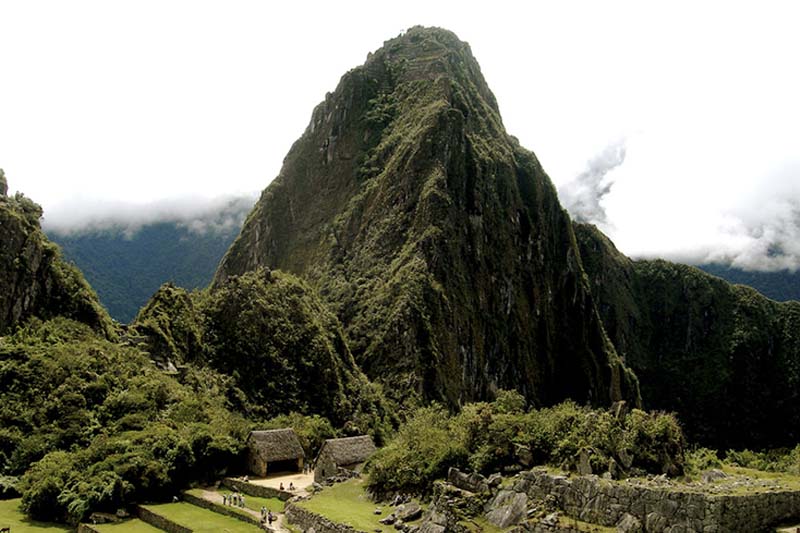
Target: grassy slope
<point>346,503</point>
<point>11,516</point>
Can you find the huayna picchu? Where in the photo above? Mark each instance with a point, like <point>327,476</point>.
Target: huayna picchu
<point>437,239</point>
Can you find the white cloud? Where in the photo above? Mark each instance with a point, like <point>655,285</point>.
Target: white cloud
<point>199,215</point>
<point>151,100</point>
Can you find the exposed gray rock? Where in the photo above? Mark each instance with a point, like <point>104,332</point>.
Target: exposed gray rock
<point>507,508</point>
<point>629,524</point>
<point>495,480</point>
<point>710,476</point>
<point>472,482</point>
<point>584,467</point>
<point>389,520</point>
<point>409,512</point>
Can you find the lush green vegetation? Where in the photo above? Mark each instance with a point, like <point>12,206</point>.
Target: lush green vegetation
<point>90,425</point>
<point>11,515</point>
<point>483,437</point>
<point>284,350</point>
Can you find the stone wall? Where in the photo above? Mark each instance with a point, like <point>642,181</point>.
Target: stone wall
<point>221,509</point>
<point>156,520</point>
<point>252,489</point>
<point>305,520</point>
<point>669,509</point>
<point>86,528</point>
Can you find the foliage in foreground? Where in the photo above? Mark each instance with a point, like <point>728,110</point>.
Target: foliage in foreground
<point>486,437</point>
<point>90,425</point>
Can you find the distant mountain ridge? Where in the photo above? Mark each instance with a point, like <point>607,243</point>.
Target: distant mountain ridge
<point>781,286</point>
<point>126,266</point>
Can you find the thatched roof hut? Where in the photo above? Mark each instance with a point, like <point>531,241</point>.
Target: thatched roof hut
<point>274,449</point>
<point>349,453</point>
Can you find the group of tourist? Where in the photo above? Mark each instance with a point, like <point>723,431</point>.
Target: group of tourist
<point>235,499</point>
<point>291,487</point>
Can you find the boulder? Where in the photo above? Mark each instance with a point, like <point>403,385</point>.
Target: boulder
<point>629,524</point>
<point>389,520</point>
<point>507,508</point>
<point>495,480</point>
<point>472,482</point>
<point>584,466</point>
<point>523,455</point>
<point>409,512</point>
<point>710,476</point>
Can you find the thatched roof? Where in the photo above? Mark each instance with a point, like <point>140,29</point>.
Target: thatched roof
<point>349,450</point>
<point>276,444</point>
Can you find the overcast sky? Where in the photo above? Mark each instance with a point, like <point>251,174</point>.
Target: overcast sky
<point>673,125</point>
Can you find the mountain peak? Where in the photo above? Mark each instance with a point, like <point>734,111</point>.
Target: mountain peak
<point>436,239</point>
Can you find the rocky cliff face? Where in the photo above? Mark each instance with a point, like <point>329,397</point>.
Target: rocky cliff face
<point>436,238</point>
<point>34,279</point>
<point>722,356</point>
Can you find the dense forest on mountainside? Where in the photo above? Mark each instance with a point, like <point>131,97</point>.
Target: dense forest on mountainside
<point>781,286</point>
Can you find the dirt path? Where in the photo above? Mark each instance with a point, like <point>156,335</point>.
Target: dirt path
<point>277,525</point>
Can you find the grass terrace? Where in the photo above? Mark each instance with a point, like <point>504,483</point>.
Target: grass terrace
<point>11,516</point>
<point>200,520</point>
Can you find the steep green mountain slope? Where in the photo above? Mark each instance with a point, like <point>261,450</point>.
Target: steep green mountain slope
<point>34,279</point>
<point>271,332</point>
<point>127,267</point>
<point>724,357</point>
<point>780,286</point>
<point>437,239</point>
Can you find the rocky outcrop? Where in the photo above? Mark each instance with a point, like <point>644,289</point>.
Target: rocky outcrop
<point>34,279</point>
<point>436,238</point>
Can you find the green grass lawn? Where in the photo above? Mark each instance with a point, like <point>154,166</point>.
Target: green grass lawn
<point>200,520</point>
<point>11,516</point>
<point>347,503</point>
<point>253,503</point>
<point>128,526</point>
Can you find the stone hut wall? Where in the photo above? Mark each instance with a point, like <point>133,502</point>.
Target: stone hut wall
<point>306,520</point>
